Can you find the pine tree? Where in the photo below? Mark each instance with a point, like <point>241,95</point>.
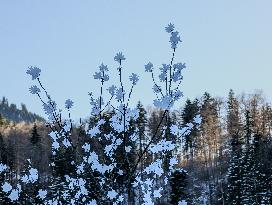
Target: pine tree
<point>127,161</point>
<point>248,128</point>
<point>253,177</point>
<point>58,191</point>
<point>247,180</point>
<point>3,196</point>
<point>152,126</point>
<point>234,129</point>
<point>62,164</point>
<point>3,150</point>
<point>36,147</point>
<point>247,164</point>
<point>29,191</point>
<point>261,182</point>
<point>179,183</point>
<point>234,178</point>
<point>3,160</point>
<point>141,124</point>
<point>35,137</point>
<point>2,122</point>
<point>234,125</point>
<point>210,139</point>
<point>11,154</point>
<point>191,109</point>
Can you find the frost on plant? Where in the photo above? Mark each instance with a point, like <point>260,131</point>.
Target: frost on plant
<point>107,165</point>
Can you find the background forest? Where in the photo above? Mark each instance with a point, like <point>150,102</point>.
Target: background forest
<point>226,161</point>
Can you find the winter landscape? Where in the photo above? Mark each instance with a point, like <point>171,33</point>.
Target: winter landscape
<point>135,103</point>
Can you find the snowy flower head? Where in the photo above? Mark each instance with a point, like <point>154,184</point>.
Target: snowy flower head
<point>106,77</point>
<point>112,89</point>
<point>34,89</point>
<point>3,167</point>
<point>148,67</point>
<point>119,94</point>
<point>177,94</point>
<point>179,66</point>
<point>6,187</point>
<point>156,88</point>
<point>68,104</point>
<point>164,69</point>
<point>31,177</point>
<point>174,39</point>
<point>103,68</point>
<point>166,102</point>
<point>169,28</point>
<point>49,108</point>
<point>134,78</point>
<point>183,202</point>
<point>34,72</point>
<point>97,75</point>
<point>101,74</point>
<point>119,57</point>
<point>112,194</point>
<point>198,119</point>
<point>42,194</point>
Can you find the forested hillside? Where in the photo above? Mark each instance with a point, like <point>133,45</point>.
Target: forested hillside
<point>226,161</point>
<point>11,113</point>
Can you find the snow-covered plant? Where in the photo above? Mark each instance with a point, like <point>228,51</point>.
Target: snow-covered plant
<point>105,167</point>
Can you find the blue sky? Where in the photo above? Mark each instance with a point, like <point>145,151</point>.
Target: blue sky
<point>226,44</point>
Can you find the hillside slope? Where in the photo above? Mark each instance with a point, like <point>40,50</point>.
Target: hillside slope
<point>14,114</point>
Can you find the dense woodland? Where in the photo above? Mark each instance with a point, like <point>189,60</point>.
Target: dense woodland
<point>226,161</point>
<point>16,115</point>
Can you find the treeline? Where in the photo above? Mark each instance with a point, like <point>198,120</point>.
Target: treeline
<point>227,160</point>
<point>229,157</point>
<point>11,113</point>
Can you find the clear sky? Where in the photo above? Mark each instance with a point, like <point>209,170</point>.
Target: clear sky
<point>226,44</point>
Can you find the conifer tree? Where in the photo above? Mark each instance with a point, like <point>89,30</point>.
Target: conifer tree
<point>210,139</point>
<point>11,156</point>
<point>2,122</point>
<point>191,109</point>
<point>179,183</point>
<point>3,160</point>
<point>35,137</point>
<point>154,129</point>
<point>141,124</point>
<point>3,150</point>
<point>91,176</point>
<point>247,163</point>
<point>234,127</point>
<point>62,165</point>
<point>234,124</point>
<point>3,196</point>
<point>255,183</point>
<point>36,148</point>
<point>28,184</point>
<point>234,175</point>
